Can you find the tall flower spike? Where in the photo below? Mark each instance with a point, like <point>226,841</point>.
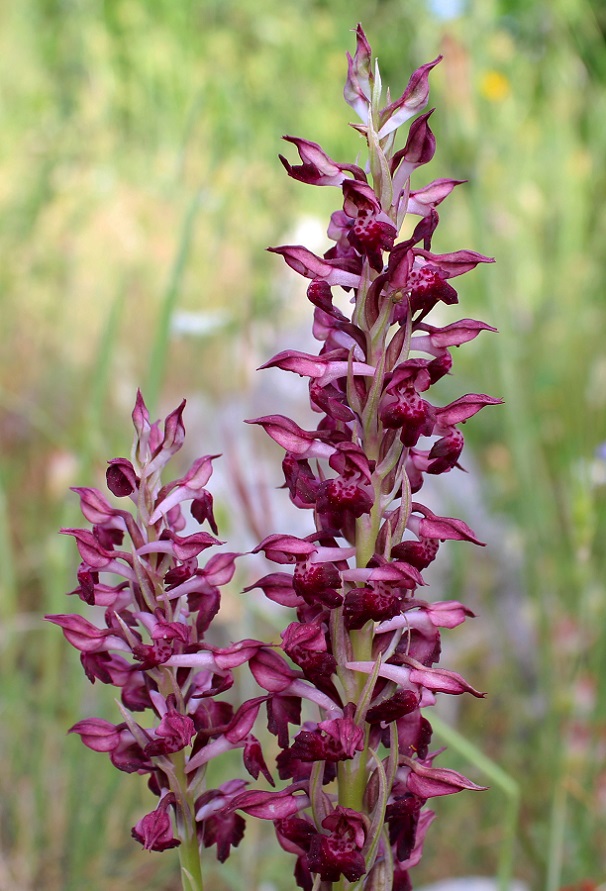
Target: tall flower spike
<point>362,637</point>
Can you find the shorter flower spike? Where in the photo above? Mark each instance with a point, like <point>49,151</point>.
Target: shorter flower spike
<point>150,642</point>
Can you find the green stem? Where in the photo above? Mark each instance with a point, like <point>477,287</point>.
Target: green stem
<point>191,869</point>
<point>352,775</point>
<point>189,850</point>
<point>557,833</point>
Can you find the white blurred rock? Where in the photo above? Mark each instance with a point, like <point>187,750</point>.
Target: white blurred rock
<point>471,883</point>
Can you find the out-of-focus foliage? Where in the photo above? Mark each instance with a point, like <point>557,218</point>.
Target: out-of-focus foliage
<point>139,186</point>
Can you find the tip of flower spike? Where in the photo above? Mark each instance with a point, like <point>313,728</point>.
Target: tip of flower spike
<point>140,413</point>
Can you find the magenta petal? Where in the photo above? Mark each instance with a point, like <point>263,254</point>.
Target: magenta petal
<point>412,100</point>
<point>285,548</point>
<point>463,408</point>
<point>277,586</point>
<point>141,417</point>
<point>317,168</point>
<point>293,438</point>
<point>447,613</point>
<point>174,431</point>
<point>421,201</point>
<point>220,569</point>
<point>431,782</point>
<point>398,673</point>
<point>444,528</point>
<point>254,762</point>
<point>441,528</point>
<point>95,506</point>
<point>271,805</point>
<point>236,654</point>
<point>198,474</point>
<point>312,153</point>
<point>359,76</point>
<point>91,551</point>
<point>242,722</point>
<point>439,680</point>
<point>301,363</point>
<point>309,265</point>
<point>186,547</point>
<point>85,636</point>
<point>419,149</point>
<point>396,572</point>
<point>97,734</point>
<point>271,671</point>
<point>457,333</point>
<point>202,661</point>
<point>188,487</point>
<point>455,263</point>
<point>421,143</point>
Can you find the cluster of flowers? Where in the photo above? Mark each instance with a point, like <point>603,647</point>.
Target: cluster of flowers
<point>156,618</point>
<point>364,645</point>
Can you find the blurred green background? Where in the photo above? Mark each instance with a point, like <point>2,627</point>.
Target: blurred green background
<point>139,187</point>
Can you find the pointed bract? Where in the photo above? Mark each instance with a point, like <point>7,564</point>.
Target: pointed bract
<point>413,99</point>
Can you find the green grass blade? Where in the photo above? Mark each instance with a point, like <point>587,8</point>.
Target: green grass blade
<point>159,351</point>
<point>506,783</point>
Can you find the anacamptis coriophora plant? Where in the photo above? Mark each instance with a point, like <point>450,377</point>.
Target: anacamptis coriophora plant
<point>366,640</point>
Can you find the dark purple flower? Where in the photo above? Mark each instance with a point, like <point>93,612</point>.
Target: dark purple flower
<point>154,830</point>
<point>122,479</point>
<point>340,851</point>
<point>216,824</point>
<point>317,583</point>
<point>294,835</point>
<point>335,740</point>
<point>362,224</point>
<point>223,831</point>
<point>402,817</point>
<point>306,646</point>
<point>406,411</point>
<point>173,734</point>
